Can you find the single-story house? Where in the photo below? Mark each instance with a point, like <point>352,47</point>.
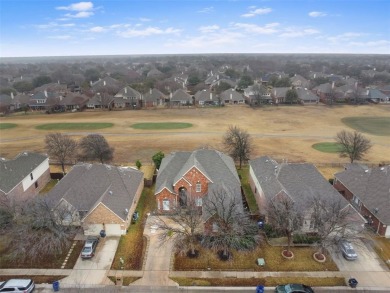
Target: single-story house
<point>180,97</point>
<point>368,190</point>
<point>300,182</point>
<point>232,97</point>
<point>24,176</point>
<point>154,98</point>
<point>97,197</point>
<point>128,98</point>
<point>307,97</point>
<point>206,98</point>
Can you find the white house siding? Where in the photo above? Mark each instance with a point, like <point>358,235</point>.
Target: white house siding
<point>387,233</point>
<point>37,172</point>
<point>258,192</point>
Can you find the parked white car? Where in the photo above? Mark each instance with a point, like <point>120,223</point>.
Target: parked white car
<point>17,285</point>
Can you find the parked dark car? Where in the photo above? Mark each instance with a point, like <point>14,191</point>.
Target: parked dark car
<point>347,250</point>
<point>89,247</point>
<point>17,285</point>
<point>293,288</point>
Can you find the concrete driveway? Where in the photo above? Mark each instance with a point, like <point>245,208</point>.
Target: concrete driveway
<point>367,261</point>
<point>94,271</point>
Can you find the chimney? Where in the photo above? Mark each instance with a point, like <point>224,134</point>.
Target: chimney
<point>150,91</point>
<point>211,96</point>
<point>21,77</point>
<point>60,98</point>
<point>12,95</point>
<point>356,84</point>
<point>217,76</point>
<point>125,90</point>
<point>231,96</point>
<point>332,85</point>
<point>58,81</point>
<point>90,82</point>
<point>104,82</point>
<point>45,93</point>
<point>170,95</point>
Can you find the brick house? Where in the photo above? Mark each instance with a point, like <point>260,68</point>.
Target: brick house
<point>98,197</point>
<point>193,176</point>
<point>368,190</point>
<point>300,182</point>
<point>23,177</point>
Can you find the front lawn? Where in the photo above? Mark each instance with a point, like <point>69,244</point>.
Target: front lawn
<point>268,281</point>
<point>132,245</point>
<point>242,261</point>
<point>382,248</point>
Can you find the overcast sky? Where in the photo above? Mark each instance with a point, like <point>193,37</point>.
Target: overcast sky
<point>65,28</point>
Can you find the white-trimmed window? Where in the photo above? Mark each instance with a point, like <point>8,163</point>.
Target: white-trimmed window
<point>215,227</point>
<point>198,187</point>
<point>199,202</point>
<point>166,205</point>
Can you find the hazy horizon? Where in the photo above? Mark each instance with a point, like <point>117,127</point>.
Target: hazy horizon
<point>41,28</point>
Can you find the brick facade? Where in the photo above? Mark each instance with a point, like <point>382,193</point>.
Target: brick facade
<point>189,181</point>
<point>18,194</point>
<point>101,214</point>
<point>374,222</point>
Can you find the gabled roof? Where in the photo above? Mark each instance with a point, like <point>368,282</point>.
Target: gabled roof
<point>232,95</point>
<point>205,95</point>
<point>87,185</point>
<point>129,92</point>
<point>181,95</point>
<point>280,91</point>
<point>15,170</point>
<point>377,94</point>
<point>106,81</point>
<point>302,182</point>
<point>153,95</point>
<point>371,186</point>
<point>306,95</point>
<point>216,166</point>
<point>324,88</point>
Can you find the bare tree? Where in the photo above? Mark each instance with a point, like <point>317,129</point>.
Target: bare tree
<point>61,148</point>
<point>105,99</point>
<point>353,144</point>
<point>334,221</point>
<point>258,92</point>
<point>238,144</point>
<point>284,216</point>
<point>232,228</point>
<point>40,230</point>
<point>95,147</point>
<point>183,228</point>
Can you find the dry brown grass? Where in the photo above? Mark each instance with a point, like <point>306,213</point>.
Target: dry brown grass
<point>38,279</point>
<point>281,132</point>
<point>268,281</point>
<point>382,247</point>
<point>241,261</point>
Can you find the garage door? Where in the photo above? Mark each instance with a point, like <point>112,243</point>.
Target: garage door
<point>113,230</point>
<point>92,229</point>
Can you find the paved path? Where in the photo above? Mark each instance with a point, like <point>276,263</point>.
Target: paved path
<point>157,265</point>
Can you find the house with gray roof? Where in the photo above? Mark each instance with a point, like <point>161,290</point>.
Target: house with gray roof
<point>376,96</point>
<point>206,97</point>
<point>299,81</point>
<point>98,197</point>
<point>23,177</point>
<point>186,177</point>
<point>300,182</point>
<point>278,94</point>
<point>307,97</point>
<point>368,190</point>
<point>128,97</point>
<point>154,98</point>
<point>180,97</point>
<point>232,97</point>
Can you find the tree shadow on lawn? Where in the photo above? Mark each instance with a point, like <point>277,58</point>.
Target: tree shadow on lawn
<point>247,260</point>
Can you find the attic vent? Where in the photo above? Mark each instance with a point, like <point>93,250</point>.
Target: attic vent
<point>110,192</point>
<point>382,168</point>
<point>365,171</point>
<point>376,210</point>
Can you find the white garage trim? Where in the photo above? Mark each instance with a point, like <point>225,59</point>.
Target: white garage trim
<point>387,232</point>
<point>92,229</point>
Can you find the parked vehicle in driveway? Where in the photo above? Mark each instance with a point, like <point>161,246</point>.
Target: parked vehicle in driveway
<point>17,285</point>
<point>89,247</point>
<point>347,250</point>
<point>293,288</point>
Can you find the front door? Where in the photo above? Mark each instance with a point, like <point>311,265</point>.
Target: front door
<point>183,197</point>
